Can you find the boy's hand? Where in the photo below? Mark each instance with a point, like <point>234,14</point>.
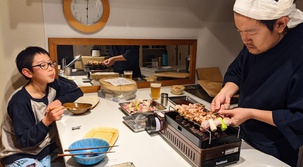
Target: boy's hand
<point>53,105</point>
<point>53,114</point>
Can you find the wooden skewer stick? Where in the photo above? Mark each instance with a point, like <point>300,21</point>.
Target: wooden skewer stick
<point>89,148</point>
<point>89,153</point>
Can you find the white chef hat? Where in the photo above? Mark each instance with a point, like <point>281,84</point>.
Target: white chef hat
<point>270,10</point>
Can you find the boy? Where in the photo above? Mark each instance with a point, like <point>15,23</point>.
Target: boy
<point>28,130</point>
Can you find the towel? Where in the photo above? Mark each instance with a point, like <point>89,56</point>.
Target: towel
<point>270,10</point>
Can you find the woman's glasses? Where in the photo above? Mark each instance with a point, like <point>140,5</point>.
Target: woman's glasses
<point>44,65</point>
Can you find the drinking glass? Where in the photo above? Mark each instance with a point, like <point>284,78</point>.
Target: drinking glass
<point>155,88</point>
<point>128,74</point>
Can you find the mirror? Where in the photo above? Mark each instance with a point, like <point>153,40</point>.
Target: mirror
<point>180,57</point>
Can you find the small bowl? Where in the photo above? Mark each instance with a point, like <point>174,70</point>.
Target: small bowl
<point>77,108</point>
<point>151,78</point>
<point>177,89</point>
<point>89,143</point>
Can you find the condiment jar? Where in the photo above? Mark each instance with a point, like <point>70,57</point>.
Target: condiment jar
<point>164,99</point>
<point>154,123</point>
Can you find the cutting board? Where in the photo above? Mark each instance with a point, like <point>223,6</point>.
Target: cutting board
<point>172,74</point>
<point>94,100</point>
<point>210,74</point>
<point>212,88</point>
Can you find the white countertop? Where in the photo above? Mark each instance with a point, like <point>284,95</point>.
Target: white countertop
<point>140,148</point>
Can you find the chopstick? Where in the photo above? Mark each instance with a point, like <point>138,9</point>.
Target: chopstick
<point>89,148</point>
<point>89,153</point>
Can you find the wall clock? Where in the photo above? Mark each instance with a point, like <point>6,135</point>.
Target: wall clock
<point>86,15</point>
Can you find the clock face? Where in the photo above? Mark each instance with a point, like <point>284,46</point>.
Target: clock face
<point>87,12</point>
<point>87,16</point>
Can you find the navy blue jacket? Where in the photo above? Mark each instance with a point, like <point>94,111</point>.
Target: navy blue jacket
<point>273,80</point>
<point>23,122</point>
<point>131,54</point>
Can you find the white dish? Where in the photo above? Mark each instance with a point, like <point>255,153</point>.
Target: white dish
<point>94,100</point>
<point>177,94</point>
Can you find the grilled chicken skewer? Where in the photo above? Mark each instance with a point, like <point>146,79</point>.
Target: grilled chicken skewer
<point>207,120</point>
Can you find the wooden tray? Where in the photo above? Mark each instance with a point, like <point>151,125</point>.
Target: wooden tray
<point>212,88</point>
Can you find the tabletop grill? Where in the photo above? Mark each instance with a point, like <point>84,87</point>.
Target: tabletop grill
<point>204,149</point>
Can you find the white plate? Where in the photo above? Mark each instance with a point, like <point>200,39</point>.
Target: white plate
<point>94,100</point>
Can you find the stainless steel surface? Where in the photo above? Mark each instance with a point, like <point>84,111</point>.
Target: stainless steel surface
<point>68,71</point>
<point>154,104</point>
<point>77,58</point>
<point>135,122</point>
<point>164,99</point>
<point>179,100</point>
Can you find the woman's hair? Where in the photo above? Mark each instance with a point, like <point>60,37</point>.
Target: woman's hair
<point>25,58</point>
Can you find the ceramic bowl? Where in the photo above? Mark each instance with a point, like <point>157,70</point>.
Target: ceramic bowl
<point>77,108</point>
<point>89,143</point>
<point>177,89</point>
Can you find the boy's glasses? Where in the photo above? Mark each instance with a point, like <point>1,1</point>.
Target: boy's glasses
<point>44,65</point>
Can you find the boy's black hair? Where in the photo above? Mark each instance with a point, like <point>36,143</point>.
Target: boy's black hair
<point>26,57</point>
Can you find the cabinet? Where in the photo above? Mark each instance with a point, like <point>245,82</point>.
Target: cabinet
<point>176,54</point>
<point>150,52</point>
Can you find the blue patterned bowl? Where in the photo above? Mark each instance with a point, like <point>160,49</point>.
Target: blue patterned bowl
<point>89,143</point>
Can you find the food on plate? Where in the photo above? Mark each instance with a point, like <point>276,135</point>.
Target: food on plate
<point>197,113</point>
<point>139,105</point>
<point>95,65</point>
<point>177,89</point>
